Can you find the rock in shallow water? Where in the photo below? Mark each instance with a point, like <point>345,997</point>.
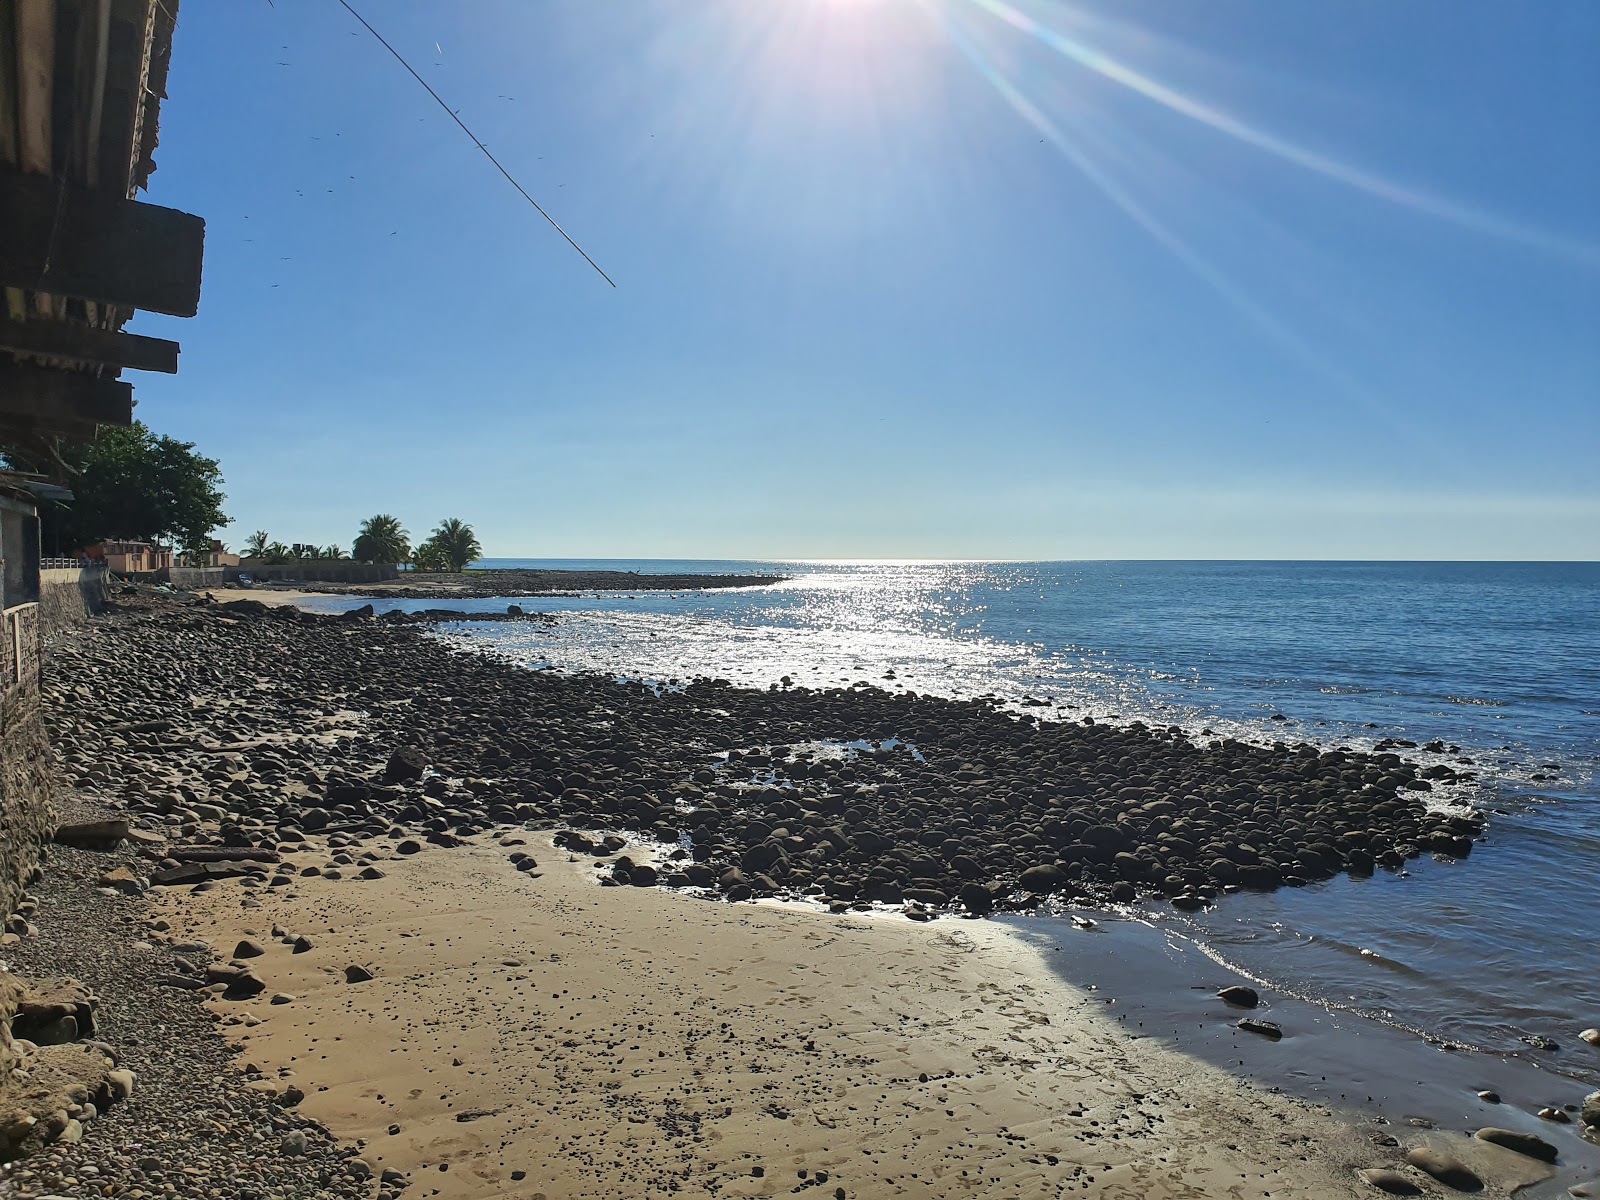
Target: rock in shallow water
<point>1240,996</point>
<point>1529,1144</point>
<point>1267,1029</point>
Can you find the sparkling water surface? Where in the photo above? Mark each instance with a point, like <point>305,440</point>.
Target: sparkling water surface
<point>1499,659</point>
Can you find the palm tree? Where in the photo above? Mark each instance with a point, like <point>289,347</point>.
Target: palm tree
<point>382,540</point>
<point>430,556</point>
<point>456,543</point>
<point>255,546</point>
<point>277,553</point>
<point>331,552</point>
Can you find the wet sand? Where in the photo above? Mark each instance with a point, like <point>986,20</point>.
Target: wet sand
<point>624,1041</point>
<point>1162,986</point>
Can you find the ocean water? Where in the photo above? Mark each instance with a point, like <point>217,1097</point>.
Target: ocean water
<point>1500,662</point>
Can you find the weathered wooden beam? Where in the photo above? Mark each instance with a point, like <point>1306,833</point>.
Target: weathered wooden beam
<point>36,75</point>
<point>62,398</point>
<point>85,344</point>
<point>66,240</point>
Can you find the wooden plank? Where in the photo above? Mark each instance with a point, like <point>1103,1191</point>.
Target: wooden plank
<point>39,395</point>
<point>85,344</point>
<point>123,92</point>
<point>8,83</point>
<point>36,74</point>
<point>98,247</point>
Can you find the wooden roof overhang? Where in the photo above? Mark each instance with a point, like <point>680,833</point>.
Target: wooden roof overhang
<point>81,85</point>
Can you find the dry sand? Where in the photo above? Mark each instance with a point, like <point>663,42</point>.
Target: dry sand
<point>627,1042</point>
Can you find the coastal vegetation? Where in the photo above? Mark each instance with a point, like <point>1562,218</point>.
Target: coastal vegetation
<point>260,547</point>
<point>382,539</point>
<point>129,483</point>
<point>451,547</point>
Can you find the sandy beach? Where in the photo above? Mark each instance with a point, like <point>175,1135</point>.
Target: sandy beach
<point>536,1034</point>
<point>420,895</point>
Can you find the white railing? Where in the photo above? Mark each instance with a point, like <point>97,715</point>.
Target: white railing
<point>70,564</point>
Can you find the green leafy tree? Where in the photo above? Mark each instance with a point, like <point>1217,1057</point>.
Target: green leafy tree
<point>453,544</point>
<point>277,554</point>
<point>382,540</point>
<point>131,484</point>
<point>255,546</point>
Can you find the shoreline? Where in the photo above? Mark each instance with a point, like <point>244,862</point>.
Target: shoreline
<point>519,582</point>
<point>302,777</point>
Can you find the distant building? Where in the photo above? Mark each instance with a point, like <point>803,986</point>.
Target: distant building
<point>217,556</point>
<point>131,558</point>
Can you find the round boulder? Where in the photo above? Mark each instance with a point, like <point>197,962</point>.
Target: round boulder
<point>1393,1182</point>
<point>1449,1171</point>
<point>1530,1144</point>
<point>1042,879</point>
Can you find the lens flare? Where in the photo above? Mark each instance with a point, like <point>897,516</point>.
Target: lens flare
<point>1217,279</point>
<point>1212,117</point>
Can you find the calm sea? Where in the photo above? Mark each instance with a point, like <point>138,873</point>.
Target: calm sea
<point>1501,660</point>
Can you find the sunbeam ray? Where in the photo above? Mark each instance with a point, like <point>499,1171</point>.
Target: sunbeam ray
<point>1213,276</point>
<point>1353,177</point>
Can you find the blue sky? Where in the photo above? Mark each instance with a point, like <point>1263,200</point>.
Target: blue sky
<point>898,278</point>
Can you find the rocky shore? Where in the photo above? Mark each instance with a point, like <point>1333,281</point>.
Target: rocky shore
<point>277,753</point>
<point>446,585</point>
<point>847,795</point>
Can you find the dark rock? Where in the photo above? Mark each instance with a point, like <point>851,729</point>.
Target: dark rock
<point>977,899</point>
<point>1267,1029</point>
<point>93,835</point>
<point>1240,996</point>
<point>405,765</point>
<point>409,846</point>
<point>1043,879</point>
<point>249,948</point>
<point>356,974</point>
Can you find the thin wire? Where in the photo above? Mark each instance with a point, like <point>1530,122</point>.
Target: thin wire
<point>401,60</point>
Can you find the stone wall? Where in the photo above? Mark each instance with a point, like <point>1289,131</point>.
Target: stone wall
<point>27,791</point>
<point>71,595</point>
<point>194,579</point>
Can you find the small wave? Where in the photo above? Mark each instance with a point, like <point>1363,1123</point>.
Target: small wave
<point>1478,701</point>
